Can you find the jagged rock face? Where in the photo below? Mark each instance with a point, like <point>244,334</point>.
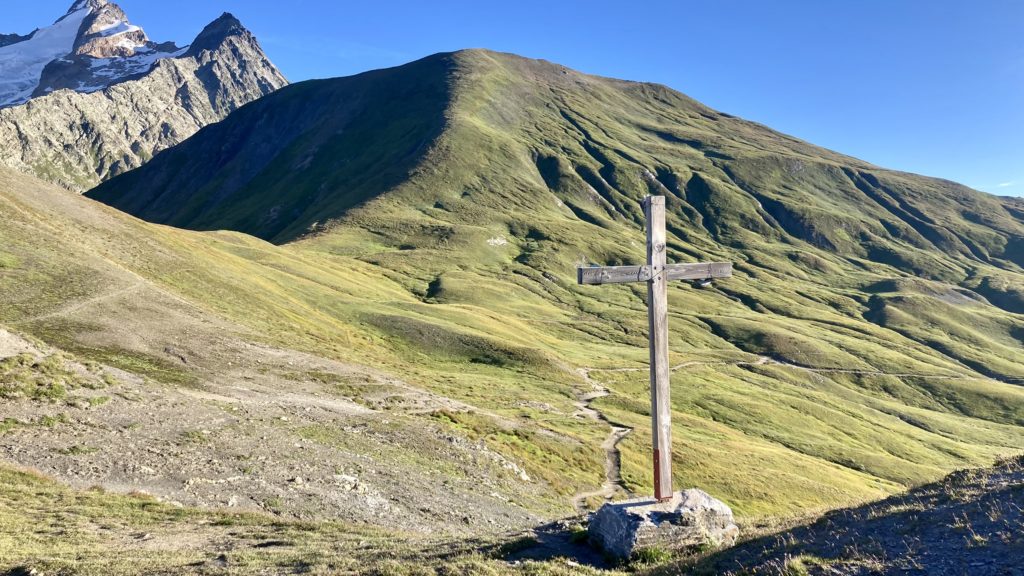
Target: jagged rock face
<point>106,33</point>
<point>91,96</point>
<point>7,39</point>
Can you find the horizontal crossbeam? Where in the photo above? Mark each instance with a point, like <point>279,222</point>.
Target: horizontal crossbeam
<point>623,274</point>
<point>613,274</point>
<point>701,271</point>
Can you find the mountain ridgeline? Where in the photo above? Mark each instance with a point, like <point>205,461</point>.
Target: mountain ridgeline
<point>278,167</point>
<point>477,138</point>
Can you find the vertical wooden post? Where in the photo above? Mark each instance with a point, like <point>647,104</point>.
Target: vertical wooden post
<point>657,313</point>
<point>657,274</point>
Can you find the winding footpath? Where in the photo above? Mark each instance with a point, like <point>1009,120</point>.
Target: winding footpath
<point>82,304</point>
<point>613,484</point>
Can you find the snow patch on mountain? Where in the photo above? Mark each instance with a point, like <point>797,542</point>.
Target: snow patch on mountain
<point>90,48</point>
<point>105,70</point>
<point>22,63</point>
<point>118,28</point>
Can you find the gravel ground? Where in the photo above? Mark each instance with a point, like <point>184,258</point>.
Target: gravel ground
<point>263,435</point>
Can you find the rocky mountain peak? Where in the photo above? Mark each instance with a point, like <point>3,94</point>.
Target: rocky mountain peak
<point>107,33</point>
<point>216,32</point>
<point>91,47</point>
<point>90,4</point>
<point>107,49</point>
<point>94,77</point>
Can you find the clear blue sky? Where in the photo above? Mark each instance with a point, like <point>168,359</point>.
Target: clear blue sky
<point>928,86</point>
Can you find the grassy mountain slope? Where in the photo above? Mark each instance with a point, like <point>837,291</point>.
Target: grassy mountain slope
<point>237,403</point>
<point>529,147</point>
<point>73,267</point>
<point>870,340</point>
<point>314,162</point>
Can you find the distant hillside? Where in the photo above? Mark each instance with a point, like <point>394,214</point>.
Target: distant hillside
<point>459,148</point>
<point>92,96</point>
<point>277,168</point>
<point>304,157</point>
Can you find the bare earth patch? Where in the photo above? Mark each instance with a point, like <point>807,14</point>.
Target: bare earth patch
<point>275,432</point>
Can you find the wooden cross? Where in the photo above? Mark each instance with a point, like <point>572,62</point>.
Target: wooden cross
<point>657,273</point>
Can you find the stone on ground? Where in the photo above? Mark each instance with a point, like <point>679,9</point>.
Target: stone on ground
<point>691,519</point>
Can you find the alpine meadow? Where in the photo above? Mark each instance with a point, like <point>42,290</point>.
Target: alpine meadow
<point>335,327</point>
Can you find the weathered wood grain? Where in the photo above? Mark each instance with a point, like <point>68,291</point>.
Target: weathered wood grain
<point>623,274</point>
<point>703,271</point>
<point>657,315</point>
<point>613,274</point>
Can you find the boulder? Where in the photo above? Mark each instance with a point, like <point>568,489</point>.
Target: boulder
<point>690,519</point>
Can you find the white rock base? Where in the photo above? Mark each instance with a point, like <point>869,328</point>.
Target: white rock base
<point>691,519</point>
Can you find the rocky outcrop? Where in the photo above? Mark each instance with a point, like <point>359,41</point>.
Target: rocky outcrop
<point>8,39</point>
<point>106,33</point>
<point>691,519</point>
<point>967,523</point>
<point>118,98</point>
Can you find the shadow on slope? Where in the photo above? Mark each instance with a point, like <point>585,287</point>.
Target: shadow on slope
<point>290,161</point>
<point>968,523</point>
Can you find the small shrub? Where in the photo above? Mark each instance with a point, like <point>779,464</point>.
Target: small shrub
<point>795,567</point>
<point>98,401</point>
<point>195,437</point>
<point>53,421</point>
<point>77,450</point>
<point>45,379</point>
<point>579,534</point>
<point>8,424</point>
<point>517,545</point>
<point>651,556</point>
<point>275,505</point>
